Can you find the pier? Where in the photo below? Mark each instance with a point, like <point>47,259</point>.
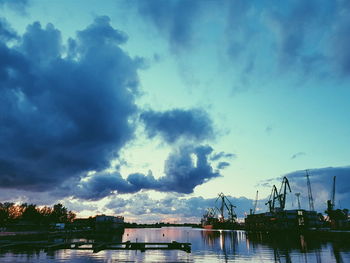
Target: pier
<point>95,247</point>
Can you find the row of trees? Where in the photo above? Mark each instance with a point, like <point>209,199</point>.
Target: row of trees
<point>11,213</point>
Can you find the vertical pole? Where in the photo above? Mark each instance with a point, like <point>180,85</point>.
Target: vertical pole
<point>311,200</point>
<point>298,195</point>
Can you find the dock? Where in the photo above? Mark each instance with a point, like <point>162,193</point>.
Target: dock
<point>95,247</point>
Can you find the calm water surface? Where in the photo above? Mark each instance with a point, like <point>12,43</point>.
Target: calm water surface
<point>207,246</point>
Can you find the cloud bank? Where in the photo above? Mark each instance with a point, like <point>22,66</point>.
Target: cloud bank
<point>173,206</point>
<point>305,36</point>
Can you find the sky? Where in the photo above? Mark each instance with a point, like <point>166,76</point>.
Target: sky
<point>150,109</point>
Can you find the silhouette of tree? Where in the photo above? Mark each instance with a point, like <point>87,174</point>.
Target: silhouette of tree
<point>11,213</point>
<point>6,213</point>
<point>30,213</point>
<point>60,214</point>
<point>71,216</point>
<point>45,213</point>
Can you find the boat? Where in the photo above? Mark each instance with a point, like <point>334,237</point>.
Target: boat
<point>223,217</point>
<point>209,219</point>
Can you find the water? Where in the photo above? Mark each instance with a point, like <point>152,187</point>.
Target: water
<point>207,246</point>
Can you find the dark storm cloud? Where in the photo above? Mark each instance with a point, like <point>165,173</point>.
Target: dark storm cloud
<point>61,115</point>
<point>175,205</point>
<point>6,33</point>
<point>101,185</point>
<point>174,19</point>
<point>183,174</point>
<point>141,181</point>
<point>185,168</point>
<point>171,125</point>
<point>105,32</point>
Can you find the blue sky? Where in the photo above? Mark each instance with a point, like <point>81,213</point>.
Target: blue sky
<point>154,107</point>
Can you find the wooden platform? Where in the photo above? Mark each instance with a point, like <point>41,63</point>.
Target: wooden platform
<point>95,247</point>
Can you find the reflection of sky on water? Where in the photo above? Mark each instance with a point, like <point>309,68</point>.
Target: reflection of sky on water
<point>207,246</point>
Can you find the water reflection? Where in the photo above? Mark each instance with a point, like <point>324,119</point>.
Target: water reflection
<point>236,245</point>
<point>207,246</point>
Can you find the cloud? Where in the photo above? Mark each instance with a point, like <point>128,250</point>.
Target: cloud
<point>222,165</point>
<point>66,109</point>
<point>79,206</point>
<point>185,168</point>
<point>101,185</point>
<point>221,155</point>
<point>310,37</point>
<point>297,155</point>
<point>341,39</point>
<point>16,5</point>
<point>312,34</point>
<point>290,29</point>
<point>268,129</point>
<point>193,124</point>
<point>6,32</point>
<point>183,174</point>
<point>173,19</point>
<point>238,27</point>
<point>107,34</point>
<point>116,203</point>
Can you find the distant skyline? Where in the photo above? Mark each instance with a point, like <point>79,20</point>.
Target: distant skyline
<point>149,109</point>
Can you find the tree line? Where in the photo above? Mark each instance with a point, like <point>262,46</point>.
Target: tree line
<point>11,213</point>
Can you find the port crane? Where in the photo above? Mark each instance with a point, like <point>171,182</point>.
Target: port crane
<point>282,194</point>
<point>225,203</point>
<point>272,199</point>
<point>338,218</point>
<point>331,202</point>
<point>278,196</point>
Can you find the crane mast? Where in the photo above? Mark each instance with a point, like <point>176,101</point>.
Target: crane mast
<point>311,200</point>
<point>272,199</point>
<point>298,198</point>
<point>225,202</point>
<point>333,193</point>
<point>256,202</point>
